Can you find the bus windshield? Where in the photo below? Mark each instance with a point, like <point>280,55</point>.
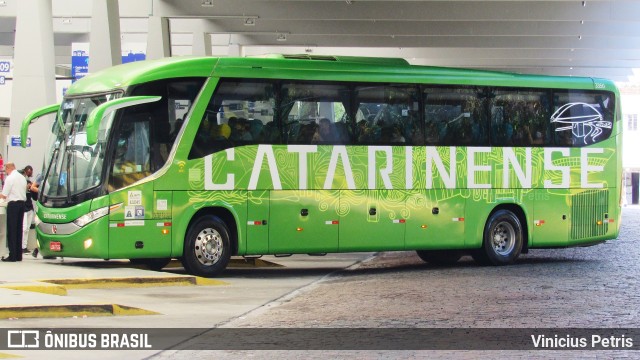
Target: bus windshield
<point>72,165</point>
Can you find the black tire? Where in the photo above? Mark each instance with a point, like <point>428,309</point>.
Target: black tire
<point>439,257</point>
<point>155,264</point>
<point>502,239</point>
<point>207,247</point>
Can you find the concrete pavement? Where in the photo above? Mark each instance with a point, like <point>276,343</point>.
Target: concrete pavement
<point>39,288</point>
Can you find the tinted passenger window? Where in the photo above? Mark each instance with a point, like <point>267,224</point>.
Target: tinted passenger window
<point>581,118</point>
<point>239,113</point>
<point>455,116</point>
<point>520,118</point>
<point>145,134</point>
<point>315,113</point>
<point>388,115</point>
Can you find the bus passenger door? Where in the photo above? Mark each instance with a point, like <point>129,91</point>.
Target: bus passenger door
<point>140,223</point>
<point>303,221</point>
<point>436,220</point>
<point>373,220</point>
<point>257,222</point>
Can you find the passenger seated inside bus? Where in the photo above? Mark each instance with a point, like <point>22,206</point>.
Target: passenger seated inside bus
<point>127,168</point>
<point>342,133</point>
<point>161,144</point>
<point>535,137</point>
<point>325,132</point>
<point>270,133</point>
<point>255,129</point>
<point>391,135</point>
<point>306,133</point>
<point>210,138</point>
<point>239,130</point>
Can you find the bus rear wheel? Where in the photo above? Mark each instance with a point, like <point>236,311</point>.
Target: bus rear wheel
<point>207,247</point>
<point>439,257</point>
<point>502,239</point>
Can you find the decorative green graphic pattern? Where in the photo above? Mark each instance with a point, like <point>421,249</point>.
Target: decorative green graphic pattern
<point>396,178</point>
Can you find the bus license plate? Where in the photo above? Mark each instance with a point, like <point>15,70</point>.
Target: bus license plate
<point>55,246</point>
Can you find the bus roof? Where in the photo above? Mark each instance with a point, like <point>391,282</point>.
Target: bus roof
<point>336,68</point>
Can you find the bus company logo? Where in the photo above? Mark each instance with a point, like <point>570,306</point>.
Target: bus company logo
<point>55,216</point>
<point>23,339</point>
<point>584,121</point>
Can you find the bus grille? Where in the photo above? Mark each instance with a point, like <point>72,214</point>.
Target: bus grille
<point>587,209</point>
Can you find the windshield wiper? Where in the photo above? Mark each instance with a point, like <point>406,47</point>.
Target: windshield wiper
<point>68,154</point>
<point>54,158</point>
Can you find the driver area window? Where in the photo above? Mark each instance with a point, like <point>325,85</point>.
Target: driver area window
<point>145,134</point>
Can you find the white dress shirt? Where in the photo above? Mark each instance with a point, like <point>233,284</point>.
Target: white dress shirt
<point>15,187</point>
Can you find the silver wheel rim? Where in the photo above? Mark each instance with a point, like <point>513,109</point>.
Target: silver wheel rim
<point>503,238</point>
<point>208,246</point>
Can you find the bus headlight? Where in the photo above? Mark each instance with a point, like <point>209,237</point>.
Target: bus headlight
<point>92,216</point>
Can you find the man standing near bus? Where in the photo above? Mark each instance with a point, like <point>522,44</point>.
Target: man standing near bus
<point>14,191</point>
<point>28,208</point>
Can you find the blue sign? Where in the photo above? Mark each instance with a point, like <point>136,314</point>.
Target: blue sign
<point>5,66</point>
<point>79,64</point>
<point>15,141</point>
<point>63,179</point>
<point>2,80</point>
<point>133,57</point>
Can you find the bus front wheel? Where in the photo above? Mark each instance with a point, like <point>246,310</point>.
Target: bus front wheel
<point>207,247</point>
<point>502,239</point>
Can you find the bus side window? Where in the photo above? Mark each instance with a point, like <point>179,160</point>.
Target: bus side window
<point>455,116</point>
<point>390,115</point>
<point>131,160</point>
<point>316,113</point>
<point>164,118</point>
<point>582,117</point>
<point>520,117</point>
<point>240,112</point>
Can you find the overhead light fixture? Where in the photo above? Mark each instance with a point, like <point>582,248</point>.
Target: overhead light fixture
<point>3,3</point>
<point>204,16</point>
<point>281,37</point>
<point>249,21</point>
<point>207,3</point>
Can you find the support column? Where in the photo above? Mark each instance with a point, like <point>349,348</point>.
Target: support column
<point>158,38</point>
<point>34,83</point>
<point>234,50</point>
<point>105,48</point>
<point>201,42</point>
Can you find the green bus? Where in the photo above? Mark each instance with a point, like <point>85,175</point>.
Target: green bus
<point>201,159</point>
